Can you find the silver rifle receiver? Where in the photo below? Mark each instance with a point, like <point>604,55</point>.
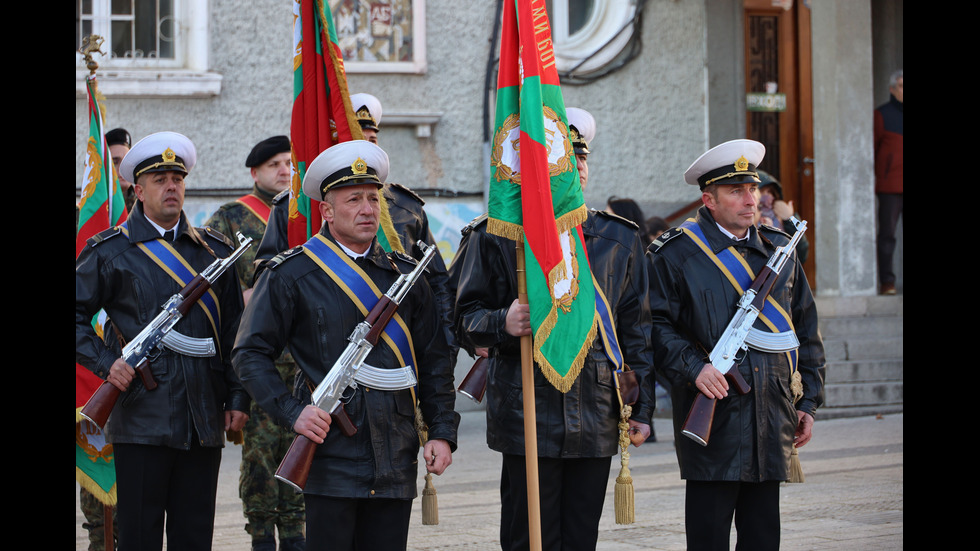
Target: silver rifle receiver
<point>740,334</point>
<point>329,393</point>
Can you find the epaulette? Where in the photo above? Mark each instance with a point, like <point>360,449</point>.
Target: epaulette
<point>664,238</point>
<point>283,256</point>
<point>215,234</point>
<point>407,191</point>
<point>617,218</point>
<point>774,230</point>
<point>103,235</point>
<point>474,223</point>
<point>404,257</point>
<point>279,196</point>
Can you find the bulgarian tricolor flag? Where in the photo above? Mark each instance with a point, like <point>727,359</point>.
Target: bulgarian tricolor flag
<point>100,207</point>
<point>322,113</point>
<point>535,195</point>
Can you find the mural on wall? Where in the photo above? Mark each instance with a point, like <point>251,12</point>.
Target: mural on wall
<point>379,32</point>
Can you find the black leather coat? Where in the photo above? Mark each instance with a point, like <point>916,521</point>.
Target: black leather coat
<point>296,304</point>
<point>193,393</point>
<point>692,303</point>
<point>410,223</point>
<point>583,421</point>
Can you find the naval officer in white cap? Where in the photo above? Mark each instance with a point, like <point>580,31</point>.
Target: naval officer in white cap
<point>698,273</point>
<point>581,131</point>
<point>167,441</point>
<point>361,486</point>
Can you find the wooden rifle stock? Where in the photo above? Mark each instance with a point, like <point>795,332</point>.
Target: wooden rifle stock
<point>474,385</point>
<point>295,466</point>
<point>697,426</point>
<point>103,400</point>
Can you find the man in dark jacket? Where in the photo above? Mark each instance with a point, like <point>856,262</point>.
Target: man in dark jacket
<point>167,441</point>
<point>408,218</point>
<point>577,431</point>
<point>309,298</point>
<point>694,272</point>
<point>889,178</point>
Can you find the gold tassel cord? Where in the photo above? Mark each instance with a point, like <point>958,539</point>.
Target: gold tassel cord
<point>430,504</point>
<point>795,468</point>
<point>625,509</point>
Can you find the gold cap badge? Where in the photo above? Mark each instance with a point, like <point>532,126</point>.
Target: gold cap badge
<point>742,163</point>
<point>359,166</point>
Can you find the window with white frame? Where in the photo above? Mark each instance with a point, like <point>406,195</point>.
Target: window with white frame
<point>150,47</point>
<point>590,34</point>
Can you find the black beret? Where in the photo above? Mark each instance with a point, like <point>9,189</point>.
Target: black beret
<point>266,149</point>
<point>118,136</point>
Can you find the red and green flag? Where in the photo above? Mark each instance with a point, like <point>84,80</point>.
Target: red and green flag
<point>100,207</point>
<point>535,195</point>
<point>322,114</point>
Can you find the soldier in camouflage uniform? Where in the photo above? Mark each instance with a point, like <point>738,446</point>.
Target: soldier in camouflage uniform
<point>266,502</point>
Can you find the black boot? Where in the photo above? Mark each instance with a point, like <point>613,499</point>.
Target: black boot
<point>264,544</point>
<point>295,543</point>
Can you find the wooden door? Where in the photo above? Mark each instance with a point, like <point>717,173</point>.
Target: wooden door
<point>777,55</point>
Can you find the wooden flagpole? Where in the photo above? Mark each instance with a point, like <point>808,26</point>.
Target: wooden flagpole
<point>530,417</point>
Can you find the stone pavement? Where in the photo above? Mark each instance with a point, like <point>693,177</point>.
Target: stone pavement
<point>853,497</point>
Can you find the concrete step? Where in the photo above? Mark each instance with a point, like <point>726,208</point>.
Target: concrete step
<point>863,394</point>
<point>861,371</point>
<point>864,348</point>
<point>857,411</point>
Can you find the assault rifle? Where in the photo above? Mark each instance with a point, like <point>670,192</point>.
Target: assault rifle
<point>159,333</point>
<point>328,395</point>
<point>730,349</point>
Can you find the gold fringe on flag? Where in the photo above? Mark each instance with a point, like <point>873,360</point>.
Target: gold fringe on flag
<point>795,468</point>
<point>387,226</point>
<point>430,504</point>
<point>625,510</point>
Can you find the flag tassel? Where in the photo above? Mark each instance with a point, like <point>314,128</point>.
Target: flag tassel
<point>795,467</point>
<point>625,509</point>
<point>430,504</point>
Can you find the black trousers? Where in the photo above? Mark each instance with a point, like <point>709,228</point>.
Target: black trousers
<point>340,524</point>
<point>571,491</point>
<point>890,207</point>
<point>156,484</point>
<point>709,507</point>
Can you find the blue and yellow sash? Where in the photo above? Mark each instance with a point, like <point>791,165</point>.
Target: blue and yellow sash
<point>607,328</point>
<point>167,258</point>
<point>738,272</point>
<point>358,286</point>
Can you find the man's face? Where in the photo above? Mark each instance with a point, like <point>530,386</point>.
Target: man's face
<point>274,174</point>
<point>897,90</point>
<point>733,206</point>
<point>583,168</point>
<point>119,151</point>
<point>353,214</point>
<point>370,135</point>
<point>162,194</point>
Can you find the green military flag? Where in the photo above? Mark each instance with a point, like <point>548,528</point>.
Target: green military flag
<point>535,195</point>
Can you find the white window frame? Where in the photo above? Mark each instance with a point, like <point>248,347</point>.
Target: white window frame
<point>608,18</point>
<point>186,75</point>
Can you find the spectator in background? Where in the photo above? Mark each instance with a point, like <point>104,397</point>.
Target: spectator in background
<point>628,209</point>
<point>656,226</point>
<point>776,212</point>
<point>889,178</point>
